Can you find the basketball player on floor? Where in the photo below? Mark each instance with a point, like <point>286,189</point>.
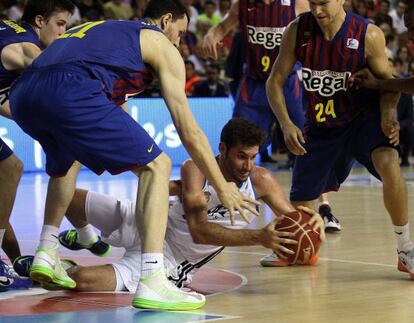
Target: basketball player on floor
<point>42,22</point>
<point>78,122</point>
<point>262,24</point>
<point>198,227</point>
<point>342,124</point>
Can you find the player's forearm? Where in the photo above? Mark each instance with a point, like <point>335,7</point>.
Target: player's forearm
<point>217,235</point>
<point>276,98</point>
<point>200,151</point>
<point>405,85</point>
<point>388,105</point>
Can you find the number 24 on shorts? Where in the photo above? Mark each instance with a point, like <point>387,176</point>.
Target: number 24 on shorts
<point>322,111</point>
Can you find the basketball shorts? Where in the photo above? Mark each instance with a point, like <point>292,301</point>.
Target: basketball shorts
<point>70,115</point>
<point>331,154</point>
<point>252,104</point>
<point>115,218</point>
<point>5,151</point>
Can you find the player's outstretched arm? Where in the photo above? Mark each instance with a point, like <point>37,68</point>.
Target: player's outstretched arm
<point>205,232</point>
<point>214,36</point>
<point>378,63</point>
<point>167,63</point>
<point>269,191</point>
<point>274,90</point>
<point>366,79</point>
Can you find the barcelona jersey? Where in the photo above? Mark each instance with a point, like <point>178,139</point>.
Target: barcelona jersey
<point>263,26</point>
<point>327,66</point>
<point>119,68</point>
<point>11,33</point>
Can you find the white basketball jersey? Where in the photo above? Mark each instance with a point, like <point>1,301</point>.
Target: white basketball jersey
<point>189,255</point>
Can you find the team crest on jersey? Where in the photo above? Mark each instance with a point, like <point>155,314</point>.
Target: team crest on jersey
<point>352,43</point>
<point>268,37</point>
<point>326,83</point>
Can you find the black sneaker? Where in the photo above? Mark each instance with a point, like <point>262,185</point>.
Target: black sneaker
<point>331,222</point>
<point>69,239</point>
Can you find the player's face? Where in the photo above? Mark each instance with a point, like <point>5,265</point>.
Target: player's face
<point>53,27</point>
<point>239,161</point>
<point>173,30</point>
<point>326,11</point>
<point>409,23</point>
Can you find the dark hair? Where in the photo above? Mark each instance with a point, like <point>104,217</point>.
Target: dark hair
<point>188,62</point>
<point>157,8</point>
<point>240,131</point>
<point>45,8</point>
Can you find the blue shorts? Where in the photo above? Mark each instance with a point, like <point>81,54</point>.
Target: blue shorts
<point>70,115</point>
<point>331,154</point>
<point>5,151</point>
<point>252,104</point>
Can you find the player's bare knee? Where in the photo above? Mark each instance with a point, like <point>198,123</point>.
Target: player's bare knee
<point>12,169</point>
<point>386,163</point>
<point>160,165</point>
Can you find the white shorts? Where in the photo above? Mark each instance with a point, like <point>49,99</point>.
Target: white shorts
<point>115,218</point>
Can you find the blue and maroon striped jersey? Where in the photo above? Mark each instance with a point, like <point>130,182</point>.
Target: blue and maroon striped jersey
<point>263,26</point>
<point>326,68</point>
<point>111,52</point>
<point>12,33</point>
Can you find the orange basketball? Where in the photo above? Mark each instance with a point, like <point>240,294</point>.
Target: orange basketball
<point>308,240</point>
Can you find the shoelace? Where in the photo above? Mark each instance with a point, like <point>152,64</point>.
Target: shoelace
<point>71,237</point>
<point>9,270</point>
<point>331,217</point>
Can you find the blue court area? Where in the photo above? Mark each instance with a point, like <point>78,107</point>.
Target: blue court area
<point>123,314</point>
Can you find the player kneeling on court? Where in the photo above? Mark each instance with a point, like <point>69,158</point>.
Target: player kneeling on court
<point>198,227</point>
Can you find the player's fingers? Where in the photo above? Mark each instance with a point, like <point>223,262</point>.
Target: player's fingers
<point>231,211</point>
<point>287,241</point>
<point>251,209</point>
<point>285,250</point>
<point>283,234</point>
<point>280,254</point>
<point>300,136</point>
<point>243,215</point>
<point>250,200</point>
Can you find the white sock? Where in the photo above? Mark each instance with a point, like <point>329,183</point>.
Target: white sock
<point>87,235</point>
<point>150,262</point>
<point>323,203</point>
<point>49,236</point>
<point>402,234</point>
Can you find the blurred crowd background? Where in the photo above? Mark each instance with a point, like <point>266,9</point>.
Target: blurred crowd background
<point>207,78</point>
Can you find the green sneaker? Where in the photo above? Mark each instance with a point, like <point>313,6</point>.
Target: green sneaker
<point>47,268</point>
<point>155,291</point>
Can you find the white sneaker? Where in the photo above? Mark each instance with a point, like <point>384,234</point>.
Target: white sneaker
<point>406,261</point>
<point>272,260</point>
<point>155,291</point>
<point>47,268</point>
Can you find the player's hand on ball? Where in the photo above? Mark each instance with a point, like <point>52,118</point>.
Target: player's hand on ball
<point>278,241</point>
<point>316,221</point>
<point>233,200</point>
<point>294,139</point>
<point>391,128</point>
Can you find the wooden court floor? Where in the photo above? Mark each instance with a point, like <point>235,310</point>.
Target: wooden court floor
<point>355,280</point>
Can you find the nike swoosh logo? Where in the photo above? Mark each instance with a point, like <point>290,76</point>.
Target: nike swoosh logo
<point>250,9</point>
<point>150,148</point>
<point>1,148</point>
<point>5,281</point>
<point>303,45</point>
<point>399,233</point>
<point>152,262</point>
